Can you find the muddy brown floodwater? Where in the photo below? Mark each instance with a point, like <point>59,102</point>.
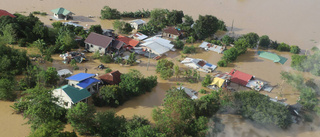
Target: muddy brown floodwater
<point>295,22</point>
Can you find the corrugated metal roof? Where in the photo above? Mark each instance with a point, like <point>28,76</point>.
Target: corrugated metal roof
<point>64,72</point>
<point>140,36</point>
<point>75,94</point>
<point>87,82</point>
<point>128,41</point>
<point>138,21</point>
<point>80,76</point>
<point>240,77</point>
<point>172,30</point>
<point>62,11</point>
<point>161,41</point>
<point>272,56</point>
<point>98,39</point>
<point>156,47</point>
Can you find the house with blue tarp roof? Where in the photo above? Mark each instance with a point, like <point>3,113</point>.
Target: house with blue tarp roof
<point>68,96</point>
<point>84,81</point>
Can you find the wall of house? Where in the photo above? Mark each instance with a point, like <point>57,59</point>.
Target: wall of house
<point>168,35</point>
<point>95,48</point>
<point>134,25</point>
<point>64,100</point>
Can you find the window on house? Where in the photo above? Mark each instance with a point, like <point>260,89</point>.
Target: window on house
<point>66,103</point>
<point>72,85</point>
<point>91,46</point>
<point>99,48</point>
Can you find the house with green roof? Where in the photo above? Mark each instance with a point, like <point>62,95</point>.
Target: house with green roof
<point>62,13</point>
<point>69,96</point>
<point>272,56</point>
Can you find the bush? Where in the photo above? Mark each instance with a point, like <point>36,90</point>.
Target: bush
<point>36,12</point>
<point>96,55</point>
<point>108,70</point>
<point>264,41</point>
<point>109,13</point>
<point>222,63</point>
<point>43,13</point>
<point>22,42</point>
<point>202,91</point>
<point>106,59</point>
<point>178,44</point>
<point>283,47</point>
<point>295,49</point>
<point>189,50</point>
<point>75,67</point>
<point>207,80</point>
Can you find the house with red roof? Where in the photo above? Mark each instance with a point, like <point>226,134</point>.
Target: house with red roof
<point>112,78</point>
<point>130,43</point>
<point>104,44</point>
<point>240,77</point>
<point>171,32</point>
<point>6,13</point>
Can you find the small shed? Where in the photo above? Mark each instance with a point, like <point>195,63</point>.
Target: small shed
<point>139,36</point>
<point>62,13</point>
<point>191,93</point>
<point>136,24</point>
<point>171,32</point>
<point>64,72</point>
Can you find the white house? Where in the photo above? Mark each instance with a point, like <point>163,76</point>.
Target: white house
<point>62,13</point>
<point>199,64</point>
<point>104,44</point>
<point>136,24</point>
<point>69,96</point>
<point>84,81</point>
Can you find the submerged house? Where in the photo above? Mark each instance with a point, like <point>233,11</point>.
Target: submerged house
<point>112,78</point>
<point>84,81</point>
<point>272,56</point>
<point>220,81</point>
<point>137,24</point>
<point>157,45</point>
<point>6,13</point>
<point>104,44</point>
<point>199,64</point>
<point>68,96</point>
<point>191,93</point>
<point>249,81</point>
<point>171,32</point>
<point>62,13</point>
<point>212,47</point>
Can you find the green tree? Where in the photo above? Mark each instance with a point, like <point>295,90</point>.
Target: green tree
<point>178,44</point>
<point>50,129</point>
<point>57,24</point>
<point>189,50</point>
<point>175,17</point>
<point>109,124</point>
<point>294,49</point>
<point>38,106</point>
<point>222,63</point>
<point>158,18</point>
<point>109,13</point>
<point>145,131</point>
<point>206,26</point>
<point>297,62</point>
<point>165,68</point>
<point>188,20</point>
<point>81,117</point>
<point>264,41</point>
<point>177,71</point>
<point>51,76</point>
<point>127,28</point>
<point>283,47</point>
<point>207,80</point>
<point>112,95</point>
<point>9,33</point>
<point>65,40</point>
<point>241,45</point>
<point>230,55</point>
<point>7,89</point>
<point>227,40</point>
<point>252,38</point>
<point>96,29</point>
<point>132,59</point>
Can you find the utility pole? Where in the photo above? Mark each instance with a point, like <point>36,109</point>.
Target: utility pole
<point>232,29</point>
<point>148,61</point>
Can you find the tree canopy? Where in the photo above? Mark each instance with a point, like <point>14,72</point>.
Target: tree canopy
<point>109,13</point>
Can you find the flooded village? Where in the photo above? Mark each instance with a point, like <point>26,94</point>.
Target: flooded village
<point>257,67</point>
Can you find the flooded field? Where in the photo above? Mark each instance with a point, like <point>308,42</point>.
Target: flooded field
<point>291,21</point>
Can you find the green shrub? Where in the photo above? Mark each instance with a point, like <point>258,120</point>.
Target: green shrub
<point>106,59</point>
<point>96,55</point>
<point>36,12</point>
<point>189,50</point>
<point>283,47</point>
<point>202,91</point>
<point>222,63</point>
<point>43,13</point>
<point>108,70</point>
<point>75,67</point>
<point>295,49</point>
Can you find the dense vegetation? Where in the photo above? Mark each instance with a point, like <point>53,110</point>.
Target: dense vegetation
<point>309,63</point>
<point>165,68</point>
<point>308,91</point>
<point>259,108</point>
